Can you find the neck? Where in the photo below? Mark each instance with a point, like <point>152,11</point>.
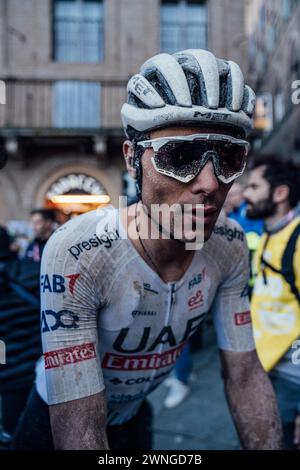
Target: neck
<point>281,211</point>
<point>168,256</point>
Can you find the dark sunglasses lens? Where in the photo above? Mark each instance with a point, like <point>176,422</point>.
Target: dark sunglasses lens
<point>180,154</point>
<point>183,158</point>
<point>232,158</point>
<point>180,158</point>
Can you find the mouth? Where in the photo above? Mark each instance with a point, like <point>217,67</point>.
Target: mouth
<point>209,215</point>
<point>210,210</point>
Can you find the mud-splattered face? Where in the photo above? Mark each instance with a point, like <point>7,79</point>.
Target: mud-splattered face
<point>204,189</point>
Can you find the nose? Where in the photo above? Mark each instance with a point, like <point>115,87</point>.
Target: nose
<point>206,182</point>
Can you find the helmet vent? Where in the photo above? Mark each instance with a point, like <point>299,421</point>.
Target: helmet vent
<point>160,84</point>
<point>135,101</point>
<point>223,91</point>
<point>194,87</point>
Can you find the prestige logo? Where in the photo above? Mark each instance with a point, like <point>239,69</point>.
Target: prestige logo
<point>106,239</point>
<point>229,233</point>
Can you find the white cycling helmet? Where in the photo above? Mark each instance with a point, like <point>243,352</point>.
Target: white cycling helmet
<point>191,87</point>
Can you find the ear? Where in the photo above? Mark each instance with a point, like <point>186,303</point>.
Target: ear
<point>128,155</point>
<point>281,194</point>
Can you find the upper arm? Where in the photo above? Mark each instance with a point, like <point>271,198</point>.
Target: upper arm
<point>231,309</point>
<point>69,308</point>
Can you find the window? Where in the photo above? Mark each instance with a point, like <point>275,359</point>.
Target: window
<point>183,25</point>
<point>78,30</point>
<point>77,104</point>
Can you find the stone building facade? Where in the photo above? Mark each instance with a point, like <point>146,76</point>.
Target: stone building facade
<point>273,29</point>
<point>65,65</point>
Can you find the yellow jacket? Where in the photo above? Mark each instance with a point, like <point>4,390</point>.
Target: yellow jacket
<point>275,307</point>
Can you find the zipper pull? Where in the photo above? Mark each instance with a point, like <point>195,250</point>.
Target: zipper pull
<point>173,294</point>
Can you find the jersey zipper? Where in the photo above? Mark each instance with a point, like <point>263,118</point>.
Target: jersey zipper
<point>173,297</point>
<point>171,304</point>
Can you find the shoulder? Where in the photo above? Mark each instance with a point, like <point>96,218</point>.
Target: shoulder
<point>227,234</point>
<point>227,246</point>
<point>83,237</point>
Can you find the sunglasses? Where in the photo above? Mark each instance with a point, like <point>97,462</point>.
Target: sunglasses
<point>183,157</point>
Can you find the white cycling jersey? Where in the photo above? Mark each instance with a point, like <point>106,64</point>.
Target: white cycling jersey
<point>110,322</point>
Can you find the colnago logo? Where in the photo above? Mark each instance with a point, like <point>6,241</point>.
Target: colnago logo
<point>71,355</point>
<point>142,362</point>
<point>140,380</point>
<point>229,233</point>
<point>124,398</point>
<point>106,239</point>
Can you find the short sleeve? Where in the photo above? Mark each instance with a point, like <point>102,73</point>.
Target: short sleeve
<point>231,309</point>
<point>69,309</point>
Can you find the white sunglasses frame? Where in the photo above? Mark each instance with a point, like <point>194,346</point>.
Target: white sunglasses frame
<point>159,142</point>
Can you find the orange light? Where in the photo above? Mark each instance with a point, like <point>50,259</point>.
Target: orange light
<point>81,199</point>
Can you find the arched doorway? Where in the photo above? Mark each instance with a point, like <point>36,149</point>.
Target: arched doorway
<point>76,193</point>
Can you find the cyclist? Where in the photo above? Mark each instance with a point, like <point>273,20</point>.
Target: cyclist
<point>117,310</point>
